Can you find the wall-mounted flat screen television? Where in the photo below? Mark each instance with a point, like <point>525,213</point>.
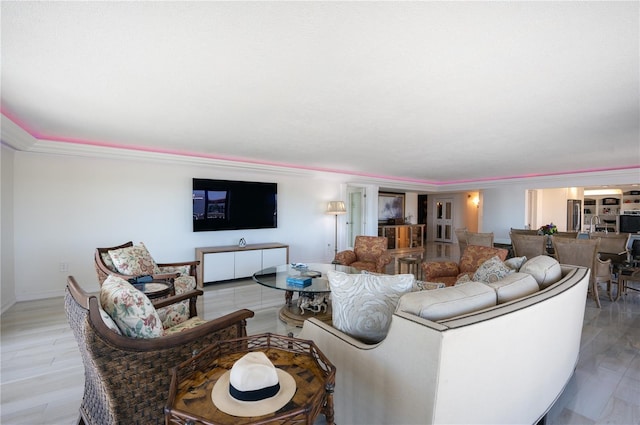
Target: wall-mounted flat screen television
<point>233,205</point>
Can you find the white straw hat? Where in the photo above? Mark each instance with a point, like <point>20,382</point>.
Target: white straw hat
<point>253,387</point>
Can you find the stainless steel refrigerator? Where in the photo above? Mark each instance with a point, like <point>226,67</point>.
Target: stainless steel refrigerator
<point>574,214</point>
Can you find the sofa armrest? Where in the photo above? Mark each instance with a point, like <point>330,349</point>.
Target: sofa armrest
<point>345,257</point>
<point>435,269</point>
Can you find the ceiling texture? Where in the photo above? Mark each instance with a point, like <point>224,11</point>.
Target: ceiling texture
<point>434,92</point>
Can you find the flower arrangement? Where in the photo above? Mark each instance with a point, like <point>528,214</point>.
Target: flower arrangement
<point>548,229</point>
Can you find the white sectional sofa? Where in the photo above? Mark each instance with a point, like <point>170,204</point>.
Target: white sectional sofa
<point>505,364</point>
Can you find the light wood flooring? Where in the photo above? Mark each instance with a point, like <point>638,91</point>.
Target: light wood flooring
<point>41,375</point>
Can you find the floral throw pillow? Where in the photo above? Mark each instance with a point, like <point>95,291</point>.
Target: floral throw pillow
<point>133,260</point>
<point>364,303</point>
<point>491,271</point>
<point>130,309</point>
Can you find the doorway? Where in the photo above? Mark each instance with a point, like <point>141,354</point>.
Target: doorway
<point>356,211</point>
<point>444,220</point>
<point>423,216</point>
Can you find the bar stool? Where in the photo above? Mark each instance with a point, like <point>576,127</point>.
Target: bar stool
<point>412,265</point>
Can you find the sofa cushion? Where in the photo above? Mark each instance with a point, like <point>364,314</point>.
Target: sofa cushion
<point>364,303</point>
<point>449,302</point>
<point>544,269</point>
<point>491,270</point>
<point>188,324</point>
<point>133,260</point>
<point>130,309</point>
<point>515,285</point>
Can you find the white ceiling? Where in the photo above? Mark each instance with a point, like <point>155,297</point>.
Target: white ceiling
<point>427,91</point>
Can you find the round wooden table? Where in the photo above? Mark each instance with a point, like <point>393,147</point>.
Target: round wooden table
<point>192,382</point>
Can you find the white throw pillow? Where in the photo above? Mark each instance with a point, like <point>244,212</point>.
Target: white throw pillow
<point>515,263</point>
<point>491,270</point>
<point>544,269</point>
<point>364,303</point>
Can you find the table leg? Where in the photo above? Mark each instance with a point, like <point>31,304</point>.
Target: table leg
<point>288,296</point>
<point>328,407</point>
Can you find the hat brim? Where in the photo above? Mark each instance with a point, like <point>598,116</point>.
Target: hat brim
<point>229,405</point>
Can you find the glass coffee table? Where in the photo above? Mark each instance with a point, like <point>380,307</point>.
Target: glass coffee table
<point>313,300</point>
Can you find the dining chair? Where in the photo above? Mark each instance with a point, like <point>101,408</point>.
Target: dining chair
<point>584,252</point>
<point>528,245</point>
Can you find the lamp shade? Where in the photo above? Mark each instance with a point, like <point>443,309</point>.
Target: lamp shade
<point>336,207</point>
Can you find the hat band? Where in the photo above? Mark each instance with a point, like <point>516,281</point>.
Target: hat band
<point>255,395</point>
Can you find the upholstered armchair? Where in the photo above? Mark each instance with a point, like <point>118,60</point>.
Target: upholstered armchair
<point>128,261</point>
<point>127,379</point>
<point>448,272</point>
<point>369,253</point>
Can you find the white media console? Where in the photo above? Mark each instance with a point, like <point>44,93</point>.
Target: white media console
<point>219,263</point>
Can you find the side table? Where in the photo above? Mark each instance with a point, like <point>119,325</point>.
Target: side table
<point>192,381</point>
<point>412,264</point>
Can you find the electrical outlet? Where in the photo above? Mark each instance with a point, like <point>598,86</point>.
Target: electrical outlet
<point>63,267</point>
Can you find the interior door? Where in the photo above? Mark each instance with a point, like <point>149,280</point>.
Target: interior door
<point>355,213</point>
<point>532,209</point>
<point>444,220</point>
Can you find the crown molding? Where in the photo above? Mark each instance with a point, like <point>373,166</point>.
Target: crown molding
<point>581,179</point>
<point>14,136</point>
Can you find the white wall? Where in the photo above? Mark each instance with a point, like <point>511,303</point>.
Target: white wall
<point>553,207</point>
<point>67,206</point>
<point>7,293</point>
<point>502,209</point>
<point>56,209</point>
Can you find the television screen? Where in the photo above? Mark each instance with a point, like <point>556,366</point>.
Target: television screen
<point>630,223</point>
<point>232,205</point>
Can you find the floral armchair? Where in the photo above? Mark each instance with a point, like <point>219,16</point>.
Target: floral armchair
<point>129,261</point>
<point>448,272</point>
<point>126,377</point>
<point>369,253</point>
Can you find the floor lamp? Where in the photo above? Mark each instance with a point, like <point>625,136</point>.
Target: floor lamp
<point>336,208</point>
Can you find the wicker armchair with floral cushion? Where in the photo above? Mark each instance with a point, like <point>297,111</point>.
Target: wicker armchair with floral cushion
<point>369,253</point>
<point>129,261</point>
<point>127,377</point>
<point>448,272</point>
